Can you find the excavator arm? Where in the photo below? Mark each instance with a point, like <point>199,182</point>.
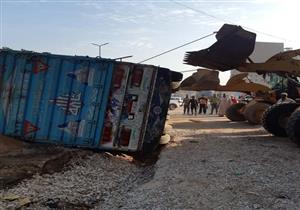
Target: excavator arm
<point>232,50</point>
<point>283,64</point>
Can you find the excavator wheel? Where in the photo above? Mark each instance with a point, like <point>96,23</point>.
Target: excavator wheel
<point>254,111</point>
<point>293,127</point>
<point>275,118</point>
<point>234,112</point>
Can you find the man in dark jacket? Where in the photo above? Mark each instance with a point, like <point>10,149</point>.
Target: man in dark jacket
<point>203,104</point>
<point>186,105</point>
<point>193,105</point>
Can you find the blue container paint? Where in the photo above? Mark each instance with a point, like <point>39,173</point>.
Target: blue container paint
<point>81,101</point>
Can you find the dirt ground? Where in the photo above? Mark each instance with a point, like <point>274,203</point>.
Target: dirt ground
<point>211,163</point>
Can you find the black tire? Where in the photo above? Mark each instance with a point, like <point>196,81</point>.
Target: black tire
<point>275,118</point>
<point>293,127</point>
<point>253,112</point>
<point>172,106</point>
<point>234,113</point>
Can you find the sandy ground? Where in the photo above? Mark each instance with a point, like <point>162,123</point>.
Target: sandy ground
<point>216,164</point>
<point>211,163</point>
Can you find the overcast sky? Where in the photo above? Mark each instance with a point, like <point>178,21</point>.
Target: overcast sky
<point>140,28</point>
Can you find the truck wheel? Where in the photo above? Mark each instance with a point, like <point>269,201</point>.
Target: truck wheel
<point>254,111</point>
<point>234,112</point>
<point>275,118</point>
<point>293,127</point>
<point>164,139</point>
<point>172,106</point>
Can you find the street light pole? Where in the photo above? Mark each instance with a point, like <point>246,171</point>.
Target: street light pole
<point>100,45</point>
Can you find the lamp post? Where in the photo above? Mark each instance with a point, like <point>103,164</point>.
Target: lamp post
<point>99,45</point>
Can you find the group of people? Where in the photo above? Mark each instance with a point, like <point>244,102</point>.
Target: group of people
<point>200,105</point>
<point>219,105</point>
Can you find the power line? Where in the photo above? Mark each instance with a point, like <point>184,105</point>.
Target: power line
<point>165,52</point>
<point>220,19</point>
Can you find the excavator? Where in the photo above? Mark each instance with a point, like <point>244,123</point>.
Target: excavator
<point>231,51</point>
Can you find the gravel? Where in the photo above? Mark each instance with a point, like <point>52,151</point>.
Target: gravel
<point>210,164</point>
<point>88,183</point>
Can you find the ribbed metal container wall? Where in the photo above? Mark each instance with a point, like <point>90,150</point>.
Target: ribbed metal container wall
<point>82,101</point>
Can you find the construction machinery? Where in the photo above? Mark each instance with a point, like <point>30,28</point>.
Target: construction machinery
<point>205,79</point>
<point>232,50</point>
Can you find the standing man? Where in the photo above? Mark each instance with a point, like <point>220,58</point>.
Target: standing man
<point>203,104</point>
<point>214,102</point>
<point>186,104</point>
<point>194,105</point>
<point>225,102</point>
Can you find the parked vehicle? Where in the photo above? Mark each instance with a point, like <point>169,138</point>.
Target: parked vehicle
<point>175,102</point>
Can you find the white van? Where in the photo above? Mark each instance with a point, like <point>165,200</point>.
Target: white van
<point>175,102</point>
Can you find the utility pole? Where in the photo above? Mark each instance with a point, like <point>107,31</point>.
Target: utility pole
<point>99,46</point>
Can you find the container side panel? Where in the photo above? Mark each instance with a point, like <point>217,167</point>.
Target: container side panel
<point>3,68</point>
<point>65,102</point>
<point>36,83</point>
<point>75,126</point>
<point>51,82</point>
<point>103,98</point>
<point>7,89</point>
<point>24,97</point>
<point>95,86</point>
<point>93,81</point>
<point>86,81</point>
<point>13,122</point>
<point>75,104</point>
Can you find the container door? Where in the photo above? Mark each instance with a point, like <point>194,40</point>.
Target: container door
<point>114,106</point>
<point>128,107</point>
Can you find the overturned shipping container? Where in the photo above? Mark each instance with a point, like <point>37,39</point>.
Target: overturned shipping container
<point>83,102</point>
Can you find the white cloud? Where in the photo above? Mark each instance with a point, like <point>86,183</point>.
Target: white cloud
<point>142,42</point>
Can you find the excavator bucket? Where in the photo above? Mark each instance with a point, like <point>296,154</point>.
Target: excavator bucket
<point>234,45</point>
<point>205,79</point>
